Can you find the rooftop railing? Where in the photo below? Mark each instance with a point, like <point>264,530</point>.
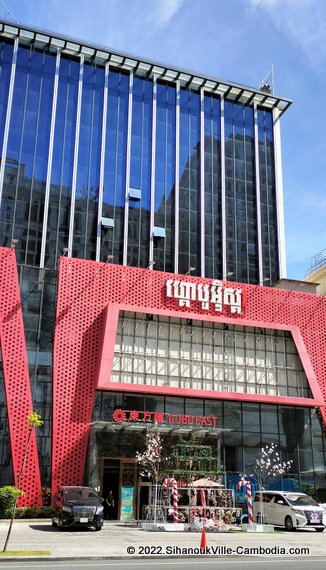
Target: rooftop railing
<point>317,261</point>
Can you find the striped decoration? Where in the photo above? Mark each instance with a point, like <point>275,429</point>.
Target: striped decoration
<point>244,483</point>
<point>170,482</point>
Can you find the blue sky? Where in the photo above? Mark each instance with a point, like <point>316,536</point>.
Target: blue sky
<point>238,40</point>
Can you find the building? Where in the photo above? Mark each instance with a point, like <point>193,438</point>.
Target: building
<point>141,232</point>
<point>317,272</point>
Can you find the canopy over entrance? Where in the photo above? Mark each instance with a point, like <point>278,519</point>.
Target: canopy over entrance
<point>113,427</point>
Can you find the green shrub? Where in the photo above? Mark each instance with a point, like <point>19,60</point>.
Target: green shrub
<point>308,488</point>
<point>29,513</point>
<point>8,497</point>
<point>34,513</point>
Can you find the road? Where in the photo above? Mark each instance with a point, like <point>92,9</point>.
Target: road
<point>118,546</point>
<point>315,563</point>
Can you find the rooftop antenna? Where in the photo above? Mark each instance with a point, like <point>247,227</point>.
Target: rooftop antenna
<point>8,15</point>
<point>267,84</point>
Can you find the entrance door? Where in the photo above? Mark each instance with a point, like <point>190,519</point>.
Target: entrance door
<point>111,482</point>
<point>128,489</point>
<point>144,498</point>
<point>120,477</point>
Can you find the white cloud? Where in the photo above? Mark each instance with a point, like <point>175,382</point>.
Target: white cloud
<point>162,11</point>
<point>121,24</point>
<point>304,21</point>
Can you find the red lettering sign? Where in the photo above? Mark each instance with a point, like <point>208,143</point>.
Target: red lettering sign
<point>161,417</point>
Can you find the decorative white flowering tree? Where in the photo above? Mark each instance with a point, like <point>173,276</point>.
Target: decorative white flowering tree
<point>152,461</point>
<point>269,466</point>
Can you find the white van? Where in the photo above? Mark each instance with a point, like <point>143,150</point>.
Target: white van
<point>288,509</point>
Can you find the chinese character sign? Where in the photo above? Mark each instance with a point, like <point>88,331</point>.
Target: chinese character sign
<point>120,415</point>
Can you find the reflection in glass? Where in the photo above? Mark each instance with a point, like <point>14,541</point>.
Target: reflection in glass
<point>165,176</point>
<point>212,167</point>
<point>240,194</point>
<point>268,195</point>
<point>115,165</point>
<point>27,152</point>
<point>62,163</point>
<point>189,185</point>
<point>89,155</point>
<point>140,173</point>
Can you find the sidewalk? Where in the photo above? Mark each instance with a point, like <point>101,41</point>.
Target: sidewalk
<point>116,540</point>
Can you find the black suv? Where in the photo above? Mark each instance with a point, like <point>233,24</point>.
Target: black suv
<point>77,506</point>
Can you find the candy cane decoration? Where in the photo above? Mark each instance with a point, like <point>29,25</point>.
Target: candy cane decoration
<point>247,484</point>
<point>168,483</point>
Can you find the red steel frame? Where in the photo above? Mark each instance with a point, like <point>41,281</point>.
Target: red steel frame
<point>17,383</point>
<point>90,296</point>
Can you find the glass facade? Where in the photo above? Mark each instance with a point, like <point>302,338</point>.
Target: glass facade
<point>6,54</point>
<point>189,183</point>
<point>173,181</point>
<point>246,428</point>
<point>165,149</point>
<point>27,153</point>
<point>240,192</point>
<point>88,166</point>
<point>63,161</point>
<point>38,294</point>
<point>114,190</point>
<point>5,449</point>
<point>140,173</point>
<point>213,202</point>
<point>178,353</point>
<point>267,195</point>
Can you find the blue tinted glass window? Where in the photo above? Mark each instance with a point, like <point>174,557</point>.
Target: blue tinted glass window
<point>27,152</point>
<point>189,182</point>
<point>212,173</point>
<point>140,172</point>
<point>7,205</point>
<point>268,196</point>
<point>240,194</point>
<point>62,163</point>
<point>114,190</point>
<point>89,158</point>
<point>165,176</point>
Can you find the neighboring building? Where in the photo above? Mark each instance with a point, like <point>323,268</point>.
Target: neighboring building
<point>317,272</point>
<point>174,180</point>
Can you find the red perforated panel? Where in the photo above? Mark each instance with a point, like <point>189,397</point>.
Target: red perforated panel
<point>17,383</point>
<point>82,298</point>
<point>85,290</point>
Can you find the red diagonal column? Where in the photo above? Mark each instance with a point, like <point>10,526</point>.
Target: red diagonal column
<point>17,382</point>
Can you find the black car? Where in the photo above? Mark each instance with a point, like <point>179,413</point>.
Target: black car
<point>77,506</point>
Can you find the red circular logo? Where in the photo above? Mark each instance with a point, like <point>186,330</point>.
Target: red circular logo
<point>119,416</point>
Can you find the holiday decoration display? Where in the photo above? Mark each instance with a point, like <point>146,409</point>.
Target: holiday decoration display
<point>244,483</point>
<point>172,482</point>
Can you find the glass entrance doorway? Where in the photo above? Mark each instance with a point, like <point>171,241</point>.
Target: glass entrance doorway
<point>119,475</point>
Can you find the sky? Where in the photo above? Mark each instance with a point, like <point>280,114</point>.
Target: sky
<point>235,40</point>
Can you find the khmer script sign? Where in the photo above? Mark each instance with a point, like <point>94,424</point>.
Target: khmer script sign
<point>207,295</point>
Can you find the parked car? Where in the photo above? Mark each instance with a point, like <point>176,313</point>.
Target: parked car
<point>323,506</point>
<point>288,509</point>
<point>77,506</point>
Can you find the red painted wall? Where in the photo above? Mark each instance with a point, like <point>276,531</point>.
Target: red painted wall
<point>17,383</point>
<point>89,296</point>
